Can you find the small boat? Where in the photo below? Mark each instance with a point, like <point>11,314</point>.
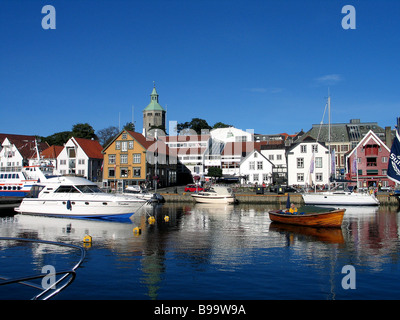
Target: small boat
<point>310,216</point>
<point>76,197</point>
<point>143,194</point>
<point>341,198</point>
<point>215,194</point>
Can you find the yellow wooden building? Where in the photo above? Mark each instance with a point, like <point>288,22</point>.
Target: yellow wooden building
<point>129,160</point>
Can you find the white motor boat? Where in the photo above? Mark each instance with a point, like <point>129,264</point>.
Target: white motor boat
<point>340,198</point>
<point>215,194</point>
<point>140,193</point>
<point>76,197</point>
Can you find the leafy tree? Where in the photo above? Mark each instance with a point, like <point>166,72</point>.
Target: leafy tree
<point>214,172</point>
<point>129,126</point>
<point>196,124</point>
<point>221,125</point>
<point>83,130</point>
<point>57,139</point>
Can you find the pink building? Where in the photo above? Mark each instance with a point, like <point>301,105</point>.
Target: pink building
<point>370,158</point>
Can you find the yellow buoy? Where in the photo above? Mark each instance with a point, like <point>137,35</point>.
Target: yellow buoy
<point>166,218</point>
<point>87,239</point>
<point>137,230</point>
<point>151,220</point>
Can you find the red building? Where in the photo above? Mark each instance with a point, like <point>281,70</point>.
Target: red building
<point>370,160</point>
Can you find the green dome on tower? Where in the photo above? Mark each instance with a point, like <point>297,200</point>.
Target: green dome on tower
<point>154,105</point>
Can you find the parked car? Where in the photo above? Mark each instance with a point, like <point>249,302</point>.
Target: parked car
<point>193,188</point>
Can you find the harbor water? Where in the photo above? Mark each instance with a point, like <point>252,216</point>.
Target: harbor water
<point>211,252</point>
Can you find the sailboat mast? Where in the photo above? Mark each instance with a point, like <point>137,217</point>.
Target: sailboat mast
<point>329,140</point>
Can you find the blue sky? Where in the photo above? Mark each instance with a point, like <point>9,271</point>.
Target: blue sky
<point>255,64</point>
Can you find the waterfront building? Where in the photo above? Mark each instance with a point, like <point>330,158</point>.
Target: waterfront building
<point>343,137</point>
<point>16,150</point>
<point>308,163</point>
<point>190,152</point>
<point>231,134</point>
<point>132,159</point>
<point>49,157</point>
<point>255,168</point>
<point>368,162</point>
<point>81,157</point>
<point>154,114</point>
<point>275,151</point>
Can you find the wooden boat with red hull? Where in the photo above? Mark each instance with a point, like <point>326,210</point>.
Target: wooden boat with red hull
<point>320,217</point>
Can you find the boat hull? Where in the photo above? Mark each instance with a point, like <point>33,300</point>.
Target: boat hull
<point>213,199</point>
<point>342,199</point>
<point>331,219</point>
<point>79,208</point>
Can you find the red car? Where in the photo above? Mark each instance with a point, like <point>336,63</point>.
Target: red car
<point>193,188</point>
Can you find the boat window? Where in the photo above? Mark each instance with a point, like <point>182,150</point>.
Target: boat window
<point>34,192</point>
<point>66,189</point>
<point>89,189</point>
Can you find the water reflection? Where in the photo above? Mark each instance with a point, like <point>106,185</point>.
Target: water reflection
<point>209,244</point>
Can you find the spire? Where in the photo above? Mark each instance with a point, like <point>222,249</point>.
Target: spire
<point>154,105</point>
<point>154,94</point>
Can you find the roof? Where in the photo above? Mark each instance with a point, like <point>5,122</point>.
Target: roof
<point>92,148</point>
<point>145,142</point>
<point>51,152</point>
<point>24,143</point>
<point>154,105</point>
<point>241,148</point>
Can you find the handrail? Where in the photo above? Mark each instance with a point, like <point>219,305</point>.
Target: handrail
<point>25,280</point>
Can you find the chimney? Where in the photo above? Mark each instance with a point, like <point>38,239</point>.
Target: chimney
<point>388,137</point>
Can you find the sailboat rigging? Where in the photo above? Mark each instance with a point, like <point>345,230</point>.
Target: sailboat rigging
<point>338,197</point>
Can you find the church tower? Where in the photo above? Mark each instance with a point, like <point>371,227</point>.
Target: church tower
<point>153,114</point>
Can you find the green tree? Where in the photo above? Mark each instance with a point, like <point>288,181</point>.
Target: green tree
<point>196,124</point>
<point>83,130</point>
<point>221,125</point>
<point>214,172</point>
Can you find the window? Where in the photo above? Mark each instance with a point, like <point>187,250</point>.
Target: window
<point>300,163</point>
<point>111,159</point>
<point>81,161</point>
<point>300,177</point>
<point>303,149</point>
<point>130,145</point>
<point>124,135</point>
<point>136,172</point>
<point>124,173</point>
<point>318,177</point>
<point>384,159</point>
<point>124,158</point>
<point>259,165</point>
<point>271,157</point>
<point>255,177</point>
<point>111,173</point>
<point>314,148</point>
<point>118,145</point>
<point>66,189</point>
<point>136,158</point>
<point>124,146</point>
<point>71,153</point>
<point>318,162</point>
<point>265,176</point>
<point>251,165</point>
<point>278,157</point>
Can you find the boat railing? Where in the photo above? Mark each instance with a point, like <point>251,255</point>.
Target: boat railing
<point>67,276</point>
